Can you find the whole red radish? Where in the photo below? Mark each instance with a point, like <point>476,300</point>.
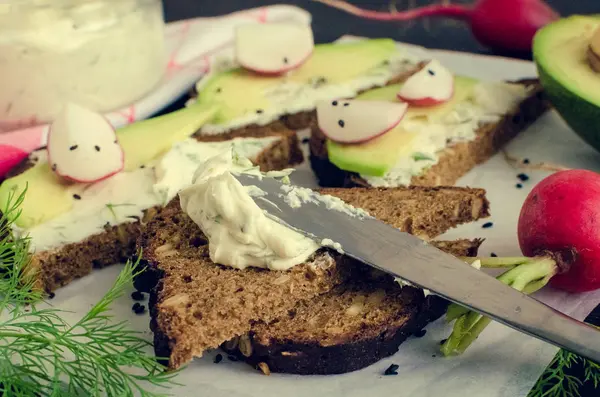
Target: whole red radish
<point>509,24</point>
<point>561,216</point>
<point>499,24</point>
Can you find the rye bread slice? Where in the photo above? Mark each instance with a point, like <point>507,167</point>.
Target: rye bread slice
<point>57,267</point>
<point>454,161</point>
<point>196,305</point>
<point>353,326</point>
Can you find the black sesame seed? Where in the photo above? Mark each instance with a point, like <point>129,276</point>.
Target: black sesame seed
<point>51,295</point>
<point>347,104</point>
<point>73,147</point>
<point>218,358</point>
<point>142,166</point>
<point>443,341</point>
<point>97,148</point>
<point>431,72</point>
<point>232,358</point>
<point>392,370</point>
<point>53,167</point>
<point>137,296</point>
<point>259,111</point>
<point>135,306</point>
<point>140,309</point>
<point>487,225</point>
<point>77,197</point>
<point>341,123</point>
<point>334,103</point>
<point>420,333</point>
<point>523,177</point>
<point>493,255</point>
<point>433,356</point>
<point>116,141</point>
<point>285,60</point>
<point>526,161</point>
<point>305,140</point>
<point>519,186</point>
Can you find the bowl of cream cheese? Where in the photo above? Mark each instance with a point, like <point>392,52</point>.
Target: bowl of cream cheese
<point>102,54</point>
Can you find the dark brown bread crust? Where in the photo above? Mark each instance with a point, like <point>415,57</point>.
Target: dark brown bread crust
<point>58,267</point>
<point>353,350</point>
<point>455,161</point>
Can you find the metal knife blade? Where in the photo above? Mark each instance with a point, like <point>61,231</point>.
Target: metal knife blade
<point>405,256</point>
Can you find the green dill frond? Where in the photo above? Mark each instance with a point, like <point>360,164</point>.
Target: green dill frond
<point>557,380</point>
<point>42,355</point>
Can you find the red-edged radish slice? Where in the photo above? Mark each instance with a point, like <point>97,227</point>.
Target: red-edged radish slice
<point>10,156</point>
<point>432,85</point>
<point>83,146</point>
<point>273,48</point>
<point>356,121</point>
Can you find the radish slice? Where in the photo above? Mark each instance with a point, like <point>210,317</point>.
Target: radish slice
<point>273,48</point>
<point>356,121</point>
<point>432,85</point>
<point>83,146</point>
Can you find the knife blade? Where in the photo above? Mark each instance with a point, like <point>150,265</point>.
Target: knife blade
<point>410,258</point>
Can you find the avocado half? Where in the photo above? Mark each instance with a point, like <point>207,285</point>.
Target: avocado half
<point>560,51</point>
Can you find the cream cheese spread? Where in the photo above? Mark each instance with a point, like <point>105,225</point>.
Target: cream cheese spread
<point>294,196</point>
<point>123,197</point>
<point>289,97</point>
<point>239,233</point>
<point>487,104</point>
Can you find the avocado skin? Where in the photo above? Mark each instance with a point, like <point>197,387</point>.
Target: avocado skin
<point>580,114</point>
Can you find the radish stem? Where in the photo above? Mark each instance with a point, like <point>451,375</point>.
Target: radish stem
<point>446,10</point>
<point>526,274</point>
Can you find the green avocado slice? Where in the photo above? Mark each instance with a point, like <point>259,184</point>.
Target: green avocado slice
<point>146,140</point>
<point>45,198</point>
<point>560,51</point>
<point>241,93</point>
<point>378,156</point>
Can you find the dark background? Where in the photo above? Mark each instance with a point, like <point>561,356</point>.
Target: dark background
<point>329,23</point>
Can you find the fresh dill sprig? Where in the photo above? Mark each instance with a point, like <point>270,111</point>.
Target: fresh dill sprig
<point>558,381</point>
<point>42,355</point>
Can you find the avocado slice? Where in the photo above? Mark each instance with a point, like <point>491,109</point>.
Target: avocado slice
<point>377,157</point>
<point>241,93</point>
<point>238,92</point>
<point>45,198</point>
<point>560,51</point>
<point>374,157</point>
<point>146,140</point>
<point>336,63</point>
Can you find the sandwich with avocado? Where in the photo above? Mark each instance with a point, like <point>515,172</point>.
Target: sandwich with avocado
<point>451,122</point>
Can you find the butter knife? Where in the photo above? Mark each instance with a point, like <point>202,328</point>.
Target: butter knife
<point>410,258</point>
